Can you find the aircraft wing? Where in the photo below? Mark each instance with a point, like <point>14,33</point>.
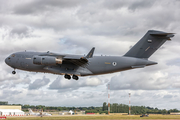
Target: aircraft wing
<point>74,59</point>
<point>82,61</point>
<point>77,61</point>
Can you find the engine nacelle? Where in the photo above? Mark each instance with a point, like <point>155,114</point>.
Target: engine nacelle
<point>46,60</point>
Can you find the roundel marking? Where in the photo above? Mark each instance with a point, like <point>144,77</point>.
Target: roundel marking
<point>114,63</point>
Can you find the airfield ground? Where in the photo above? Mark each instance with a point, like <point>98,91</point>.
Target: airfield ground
<point>96,117</point>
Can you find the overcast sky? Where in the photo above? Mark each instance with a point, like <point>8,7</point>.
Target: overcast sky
<point>74,27</point>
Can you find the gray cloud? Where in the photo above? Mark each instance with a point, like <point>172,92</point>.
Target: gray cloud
<point>132,5</point>
<point>168,96</point>
<point>62,84</point>
<point>38,83</point>
<point>39,6</point>
<point>13,83</point>
<point>175,61</point>
<point>6,74</point>
<point>20,30</point>
<point>142,5</point>
<point>144,80</point>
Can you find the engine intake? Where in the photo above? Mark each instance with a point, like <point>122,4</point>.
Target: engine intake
<point>46,60</point>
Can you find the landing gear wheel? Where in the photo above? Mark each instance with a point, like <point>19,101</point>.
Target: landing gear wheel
<point>67,76</point>
<point>75,77</point>
<point>13,72</point>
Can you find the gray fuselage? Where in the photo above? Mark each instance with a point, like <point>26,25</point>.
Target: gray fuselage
<point>96,65</point>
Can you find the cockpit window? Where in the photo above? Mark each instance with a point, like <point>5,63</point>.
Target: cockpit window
<point>13,55</point>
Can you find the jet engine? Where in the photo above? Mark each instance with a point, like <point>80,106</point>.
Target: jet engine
<point>46,60</point>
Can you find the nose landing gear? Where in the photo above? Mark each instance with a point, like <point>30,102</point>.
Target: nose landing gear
<point>14,72</point>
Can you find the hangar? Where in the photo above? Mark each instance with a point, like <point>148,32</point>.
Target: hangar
<point>11,112</point>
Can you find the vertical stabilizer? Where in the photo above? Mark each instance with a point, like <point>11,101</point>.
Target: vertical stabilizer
<point>148,44</point>
<point>90,54</point>
<point>30,111</point>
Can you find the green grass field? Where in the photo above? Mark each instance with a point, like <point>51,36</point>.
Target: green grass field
<point>96,117</point>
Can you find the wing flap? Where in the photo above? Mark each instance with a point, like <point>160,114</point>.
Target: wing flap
<point>61,72</point>
<point>77,61</point>
<point>82,61</point>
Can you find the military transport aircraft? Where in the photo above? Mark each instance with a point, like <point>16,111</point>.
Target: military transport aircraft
<point>79,65</point>
<point>41,113</point>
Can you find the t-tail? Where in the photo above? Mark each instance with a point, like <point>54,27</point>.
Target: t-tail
<point>30,111</point>
<point>148,44</point>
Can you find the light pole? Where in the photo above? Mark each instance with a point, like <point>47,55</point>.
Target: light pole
<point>108,99</point>
<point>129,104</point>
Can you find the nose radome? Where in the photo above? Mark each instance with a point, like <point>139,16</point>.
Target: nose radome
<point>6,61</point>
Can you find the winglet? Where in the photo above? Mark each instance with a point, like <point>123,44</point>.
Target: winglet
<point>90,54</point>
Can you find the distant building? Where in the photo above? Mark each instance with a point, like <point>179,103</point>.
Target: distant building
<point>65,112</point>
<point>82,112</point>
<point>175,113</point>
<point>11,110</point>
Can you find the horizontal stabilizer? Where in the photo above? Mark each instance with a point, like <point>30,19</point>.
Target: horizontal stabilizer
<point>162,34</point>
<point>165,35</point>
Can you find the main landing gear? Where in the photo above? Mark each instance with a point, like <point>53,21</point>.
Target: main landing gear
<point>75,77</point>
<point>69,77</point>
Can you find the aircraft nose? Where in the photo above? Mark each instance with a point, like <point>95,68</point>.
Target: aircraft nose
<point>7,60</point>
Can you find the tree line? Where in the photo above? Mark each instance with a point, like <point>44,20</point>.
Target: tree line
<point>114,108</point>
<point>122,108</point>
